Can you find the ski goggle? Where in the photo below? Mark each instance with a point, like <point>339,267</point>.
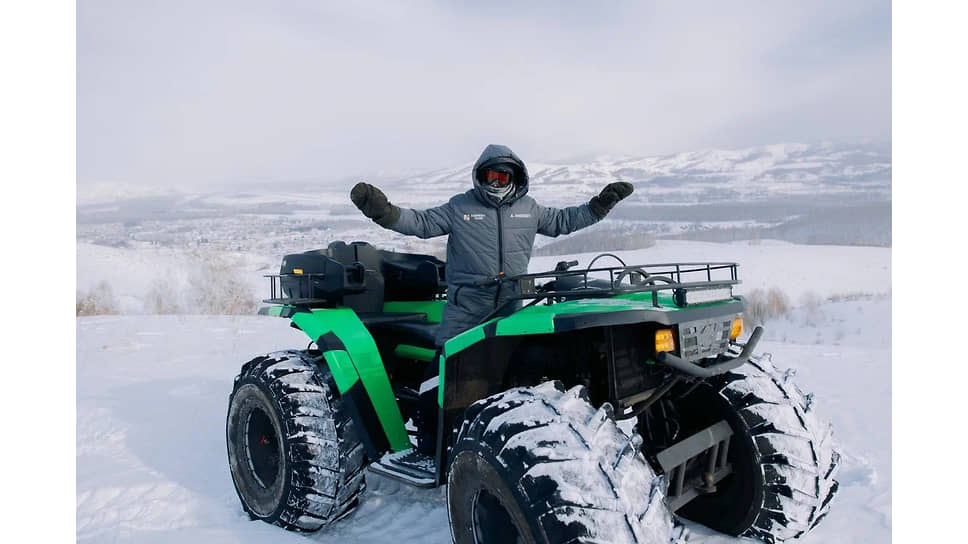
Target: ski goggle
<point>494,177</point>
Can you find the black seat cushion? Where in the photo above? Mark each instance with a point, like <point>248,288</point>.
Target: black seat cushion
<point>424,331</point>
<point>374,319</point>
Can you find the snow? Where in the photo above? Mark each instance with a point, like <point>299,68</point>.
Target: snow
<point>797,270</point>
<point>152,394</point>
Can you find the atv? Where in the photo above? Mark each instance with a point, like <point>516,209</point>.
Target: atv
<point>609,399</point>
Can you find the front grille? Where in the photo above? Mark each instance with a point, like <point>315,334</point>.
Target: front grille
<point>704,338</point>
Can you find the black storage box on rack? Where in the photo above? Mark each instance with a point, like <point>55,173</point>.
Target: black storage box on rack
<point>314,275</point>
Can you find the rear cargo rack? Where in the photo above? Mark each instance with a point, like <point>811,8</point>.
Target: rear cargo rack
<point>356,275</point>
<point>304,283</point>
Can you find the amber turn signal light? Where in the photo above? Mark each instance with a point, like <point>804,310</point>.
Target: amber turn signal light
<point>664,341</point>
<point>737,328</point>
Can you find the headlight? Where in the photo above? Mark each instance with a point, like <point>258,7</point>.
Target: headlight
<point>687,297</point>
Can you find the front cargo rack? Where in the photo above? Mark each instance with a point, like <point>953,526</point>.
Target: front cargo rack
<point>689,282</point>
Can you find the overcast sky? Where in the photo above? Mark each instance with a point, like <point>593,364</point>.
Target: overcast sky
<point>202,92</point>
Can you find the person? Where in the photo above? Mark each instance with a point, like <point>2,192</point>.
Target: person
<point>491,230</point>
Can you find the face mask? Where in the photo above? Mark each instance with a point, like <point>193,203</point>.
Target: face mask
<point>498,192</point>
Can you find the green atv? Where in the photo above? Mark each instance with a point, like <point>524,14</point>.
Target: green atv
<point>614,397</point>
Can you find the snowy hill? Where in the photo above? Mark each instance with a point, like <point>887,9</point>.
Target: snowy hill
<point>152,394</point>
<point>702,176</point>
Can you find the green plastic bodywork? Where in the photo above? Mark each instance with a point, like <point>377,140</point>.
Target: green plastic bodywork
<point>360,361</point>
<point>407,351</point>
<point>433,308</point>
<point>540,319</point>
<point>273,311</point>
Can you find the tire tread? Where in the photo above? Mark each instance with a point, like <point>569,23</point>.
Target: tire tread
<point>324,484</point>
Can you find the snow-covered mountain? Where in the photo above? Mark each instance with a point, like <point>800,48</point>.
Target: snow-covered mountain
<point>761,172</point>
<point>806,193</point>
<point>715,175</point>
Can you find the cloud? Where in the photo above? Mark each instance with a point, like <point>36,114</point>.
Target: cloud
<point>190,93</point>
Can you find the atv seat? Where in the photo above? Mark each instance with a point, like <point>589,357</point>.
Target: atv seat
<point>423,332</point>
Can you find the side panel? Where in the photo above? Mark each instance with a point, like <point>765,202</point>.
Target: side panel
<point>337,331</point>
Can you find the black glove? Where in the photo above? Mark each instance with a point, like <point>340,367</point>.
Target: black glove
<point>609,197</point>
<point>374,204</point>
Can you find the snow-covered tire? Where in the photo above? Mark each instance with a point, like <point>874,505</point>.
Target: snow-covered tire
<point>541,465</point>
<point>295,457</point>
<point>782,453</point>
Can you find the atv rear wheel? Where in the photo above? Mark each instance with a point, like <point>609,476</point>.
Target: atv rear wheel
<point>294,454</point>
<point>782,455</point>
<point>541,465</point>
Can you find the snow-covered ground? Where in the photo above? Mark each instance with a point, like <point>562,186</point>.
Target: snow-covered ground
<point>152,394</point>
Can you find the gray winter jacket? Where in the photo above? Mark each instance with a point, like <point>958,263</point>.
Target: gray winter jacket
<point>486,238</point>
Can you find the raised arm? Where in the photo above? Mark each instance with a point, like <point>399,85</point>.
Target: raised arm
<point>421,223</point>
<point>555,221</point>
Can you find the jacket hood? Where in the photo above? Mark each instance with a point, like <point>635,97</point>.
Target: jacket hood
<point>493,155</point>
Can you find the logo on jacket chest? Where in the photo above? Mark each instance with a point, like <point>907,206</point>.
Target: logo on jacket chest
<point>520,215</point>
<point>473,217</point>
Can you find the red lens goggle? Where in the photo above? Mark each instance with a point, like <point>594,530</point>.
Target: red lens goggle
<point>492,176</point>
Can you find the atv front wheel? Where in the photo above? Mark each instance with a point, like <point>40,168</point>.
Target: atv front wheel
<point>294,454</point>
<point>782,455</point>
<point>541,465</point>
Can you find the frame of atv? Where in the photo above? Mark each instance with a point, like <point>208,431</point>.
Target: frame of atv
<point>694,465</point>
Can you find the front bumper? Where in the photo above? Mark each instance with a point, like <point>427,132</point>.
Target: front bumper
<point>726,365</point>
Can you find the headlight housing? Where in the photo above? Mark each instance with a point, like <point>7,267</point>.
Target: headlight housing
<point>688,297</point>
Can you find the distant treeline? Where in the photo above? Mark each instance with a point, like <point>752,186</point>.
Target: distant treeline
<point>868,225</point>
<point>598,238</point>
<point>766,210</point>
<point>814,223</point>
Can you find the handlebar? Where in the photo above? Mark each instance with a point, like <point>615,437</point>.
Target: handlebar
<point>493,280</point>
